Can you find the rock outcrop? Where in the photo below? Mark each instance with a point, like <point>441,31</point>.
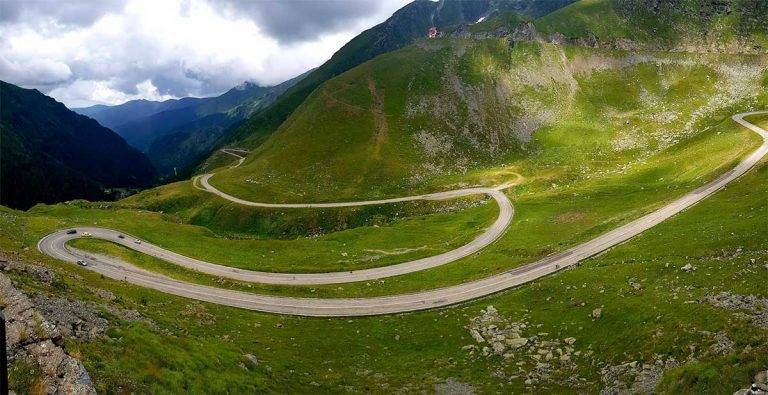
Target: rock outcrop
<point>30,336</point>
<point>749,307</point>
<point>537,357</point>
<point>634,377</point>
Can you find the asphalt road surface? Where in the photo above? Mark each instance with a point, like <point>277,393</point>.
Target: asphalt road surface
<point>116,269</point>
<point>58,240</point>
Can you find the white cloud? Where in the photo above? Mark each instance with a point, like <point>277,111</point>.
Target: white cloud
<point>82,93</point>
<point>34,71</point>
<point>159,49</point>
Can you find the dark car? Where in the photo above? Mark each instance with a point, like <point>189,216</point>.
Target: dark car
<point>71,231</point>
<point>120,236</point>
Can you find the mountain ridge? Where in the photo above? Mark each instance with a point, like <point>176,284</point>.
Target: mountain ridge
<point>116,115</point>
<point>180,149</point>
<point>401,29</point>
<point>50,153</point>
<point>162,129</point>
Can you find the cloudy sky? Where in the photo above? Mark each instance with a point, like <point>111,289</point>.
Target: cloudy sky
<point>107,52</point>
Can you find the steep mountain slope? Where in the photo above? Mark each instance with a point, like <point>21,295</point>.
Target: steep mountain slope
<point>739,26</point>
<point>446,109</point>
<point>373,127</point>
<point>401,29</point>
<point>50,153</point>
<point>174,153</point>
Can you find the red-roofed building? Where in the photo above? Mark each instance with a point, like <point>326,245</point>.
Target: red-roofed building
<point>432,32</point>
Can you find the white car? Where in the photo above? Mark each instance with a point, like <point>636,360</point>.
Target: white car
<point>82,263</point>
<point>137,241</point>
<point>86,234</point>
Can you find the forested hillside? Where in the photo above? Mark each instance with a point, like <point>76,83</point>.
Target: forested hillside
<point>50,154</point>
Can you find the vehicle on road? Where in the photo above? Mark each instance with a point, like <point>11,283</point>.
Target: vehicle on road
<point>86,234</point>
<point>71,231</point>
<point>82,262</point>
<point>137,241</point>
<point>120,236</point>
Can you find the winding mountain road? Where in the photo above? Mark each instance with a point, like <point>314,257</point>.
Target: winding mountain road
<point>493,192</point>
<point>58,240</point>
<point>55,246</point>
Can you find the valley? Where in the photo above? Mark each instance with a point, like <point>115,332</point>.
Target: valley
<point>54,246</point>
<point>488,196</point>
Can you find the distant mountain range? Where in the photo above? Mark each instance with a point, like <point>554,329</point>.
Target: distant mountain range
<point>177,133</point>
<point>113,116</point>
<point>49,153</point>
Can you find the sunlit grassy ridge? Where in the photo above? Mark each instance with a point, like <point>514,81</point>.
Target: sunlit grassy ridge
<point>362,247</point>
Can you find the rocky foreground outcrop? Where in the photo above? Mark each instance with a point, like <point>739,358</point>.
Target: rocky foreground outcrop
<point>30,336</point>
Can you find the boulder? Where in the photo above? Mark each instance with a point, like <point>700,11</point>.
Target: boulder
<point>517,342</point>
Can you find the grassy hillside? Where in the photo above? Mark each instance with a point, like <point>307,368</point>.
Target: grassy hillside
<point>620,157</point>
<point>406,25</point>
<point>689,25</point>
<point>737,26</point>
<point>591,139</point>
<point>595,138</point>
<point>442,111</point>
<point>401,232</point>
<point>552,215</point>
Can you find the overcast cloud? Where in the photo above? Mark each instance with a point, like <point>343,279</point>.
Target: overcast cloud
<point>108,52</point>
